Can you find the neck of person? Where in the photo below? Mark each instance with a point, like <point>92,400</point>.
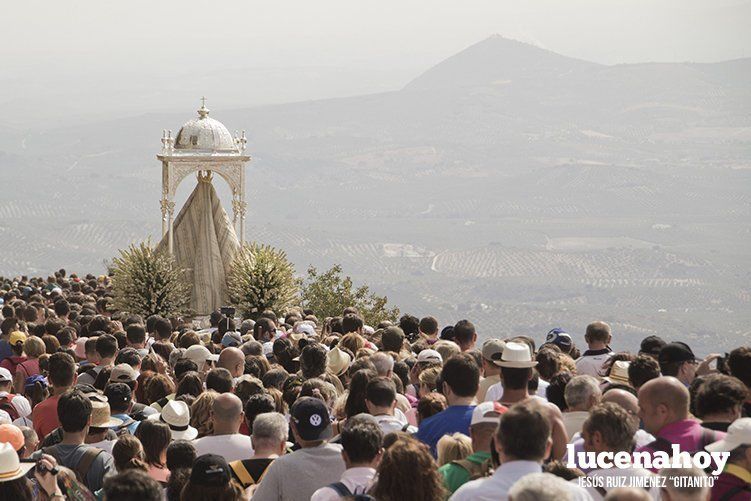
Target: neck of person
<point>514,395</point>
<point>382,411</point>
<point>59,390</point>
<point>106,362</point>
<point>74,437</point>
<point>265,453</point>
<point>491,369</point>
<point>721,417</point>
<point>594,346</point>
<point>457,400</point>
<point>225,428</point>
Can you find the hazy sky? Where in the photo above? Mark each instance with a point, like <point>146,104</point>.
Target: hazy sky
<point>61,52</point>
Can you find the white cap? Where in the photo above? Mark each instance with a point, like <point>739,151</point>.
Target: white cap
<point>487,412</point>
<point>5,375</point>
<point>739,433</point>
<point>429,355</point>
<point>199,353</point>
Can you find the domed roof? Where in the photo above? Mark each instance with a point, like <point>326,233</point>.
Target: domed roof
<point>204,133</point>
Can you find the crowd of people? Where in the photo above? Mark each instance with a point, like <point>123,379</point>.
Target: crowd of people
<point>103,404</point>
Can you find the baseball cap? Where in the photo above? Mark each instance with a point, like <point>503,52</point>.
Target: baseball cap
<point>492,349</point>
<point>31,381</point>
<point>5,375</point>
<point>739,433</point>
<point>651,345</point>
<point>12,434</point>
<point>232,338</point>
<point>118,393</point>
<point>16,337</point>
<point>199,353</point>
<point>123,373</point>
<point>487,412</point>
<point>560,338</point>
<point>676,352</point>
<point>210,470</point>
<point>311,418</point>
<point>429,355</point>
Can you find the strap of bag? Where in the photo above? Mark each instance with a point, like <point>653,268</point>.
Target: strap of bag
<point>84,464</point>
<point>341,489</point>
<point>241,473</point>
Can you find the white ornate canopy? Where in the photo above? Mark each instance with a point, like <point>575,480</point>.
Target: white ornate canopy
<point>205,146</point>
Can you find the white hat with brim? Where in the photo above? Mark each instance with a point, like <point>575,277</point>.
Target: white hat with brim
<point>619,373</point>
<point>10,467</point>
<point>739,433</point>
<point>176,415</point>
<point>516,356</point>
<point>199,353</point>
<point>338,361</point>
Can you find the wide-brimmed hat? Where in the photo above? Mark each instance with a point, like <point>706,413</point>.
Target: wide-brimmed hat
<point>176,414</point>
<point>101,416</point>
<point>338,360</point>
<point>199,353</point>
<point>619,373</point>
<point>10,467</point>
<point>516,356</point>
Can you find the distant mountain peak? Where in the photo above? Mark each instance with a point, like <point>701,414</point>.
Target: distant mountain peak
<point>496,59</point>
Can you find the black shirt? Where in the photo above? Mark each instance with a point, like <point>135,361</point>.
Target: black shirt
<point>249,471</point>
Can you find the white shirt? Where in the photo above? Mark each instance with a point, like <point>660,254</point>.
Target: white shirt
<point>495,393</point>
<point>496,486</point>
<point>591,363</point>
<point>573,422</point>
<point>357,480</point>
<point>392,423</point>
<point>234,447</point>
<point>626,473</point>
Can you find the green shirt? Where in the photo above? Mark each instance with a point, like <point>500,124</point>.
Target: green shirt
<point>454,476</point>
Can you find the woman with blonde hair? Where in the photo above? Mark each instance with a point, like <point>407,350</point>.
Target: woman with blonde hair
<point>33,348</point>
<point>395,482</point>
<point>453,448</point>
<point>200,413</point>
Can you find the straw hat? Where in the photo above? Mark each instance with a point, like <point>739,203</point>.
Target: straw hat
<point>100,415</point>
<point>619,373</point>
<point>177,416</point>
<point>516,356</point>
<point>338,361</point>
<point>10,467</point>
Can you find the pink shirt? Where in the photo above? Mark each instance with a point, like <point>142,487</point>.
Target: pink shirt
<point>687,434</point>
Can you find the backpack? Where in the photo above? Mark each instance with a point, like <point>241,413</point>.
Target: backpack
<point>344,492</point>
<point>6,405</point>
<point>475,470</point>
<point>84,463</point>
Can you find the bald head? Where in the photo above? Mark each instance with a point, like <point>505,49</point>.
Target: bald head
<point>622,398</point>
<point>233,360</point>
<point>227,408</point>
<point>667,391</point>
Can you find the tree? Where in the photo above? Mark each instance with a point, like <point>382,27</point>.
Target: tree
<point>328,294</point>
<point>262,278</point>
<point>147,282</point>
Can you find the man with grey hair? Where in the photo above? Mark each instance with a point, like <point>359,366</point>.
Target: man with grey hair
<point>226,415</point>
<point>384,365</point>
<point>270,431</point>
<point>539,487</point>
<point>581,394</point>
<point>684,484</point>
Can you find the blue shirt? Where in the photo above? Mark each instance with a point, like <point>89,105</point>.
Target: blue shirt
<point>455,418</point>
<point>5,350</point>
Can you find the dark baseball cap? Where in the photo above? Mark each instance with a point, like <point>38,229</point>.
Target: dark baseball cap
<point>560,338</point>
<point>311,418</point>
<point>210,470</point>
<point>676,352</point>
<point>651,345</point>
<point>118,393</point>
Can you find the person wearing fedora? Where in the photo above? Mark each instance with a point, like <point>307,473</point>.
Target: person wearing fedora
<point>316,464</point>
<point>100,434</point>
<point>176,414</point>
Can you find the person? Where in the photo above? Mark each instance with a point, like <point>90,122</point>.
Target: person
<point>454,447</point>
<point>663,409</point>
<point>516,366</point>
<point>210,478</point>
<point>361,441</point>
<point>739,365</point>
<point>678,360</point>
<point>30,442</point>
<point>679,486</point>
<point>226,440</point>
<point>120,398</point>
<point>581,394</point>
<point>734,483</point>
<point>460,378</point>
<point>269,438</point>
<point>316,464</point>
<point>478,464</point>
<point>62,376</point>
<point>380,399</point>
<point>650,346</point>
<point>16,406</point>
<point>233,360</point>
<point>155,437</point>
<point>101,423</point>
<point>539,487</point>
<point>598,337</point>
<point>176,415</point>
<point>465,335</point>
<point>492,350</point>
<point>522,441</point>
<point>719,401</point>
<point>428,330</point>
<point>608,428</point>
<point>90,464</point>
<point>642,369</point>
<point>14,485</point>
<point>203,358</point>
<point>106,348</point>
<point>396,483</point>
<point>135,337</point>
<point>128,453</point>
<point>132,485</point>
<point>33,348</point>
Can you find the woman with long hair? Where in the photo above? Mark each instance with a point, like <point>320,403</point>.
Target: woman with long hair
<point>395,482</point>
<point>155,436</point>
<point>200,413</point>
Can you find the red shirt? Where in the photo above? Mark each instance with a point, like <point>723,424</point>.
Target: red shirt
<point>44,416</point>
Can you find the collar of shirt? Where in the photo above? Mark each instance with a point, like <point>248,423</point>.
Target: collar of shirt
<point>517,469</point>
<point>359,475</point>
<point>589,353</point>
<point>739,471</point>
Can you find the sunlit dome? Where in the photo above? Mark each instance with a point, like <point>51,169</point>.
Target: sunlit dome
<point>204,133</point>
